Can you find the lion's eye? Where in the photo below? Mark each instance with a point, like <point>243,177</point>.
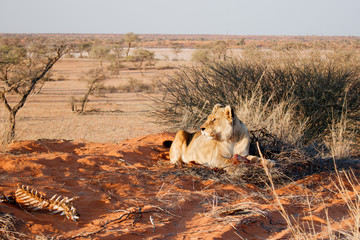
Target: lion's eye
<point>213,120</point>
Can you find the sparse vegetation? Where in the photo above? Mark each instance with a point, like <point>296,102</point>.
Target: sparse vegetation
<point>100,52</point>
<point>116,60</point>
<point>142,56</point>
<point>218,50</point>
<point>83,47</point>
<point>306,225</point>
<point>298,96</point>
<point>22,69</point>
<point>316,86</point>
<point>95,79</point>
<point>136,85</point>
<point>176,49</point>
<point>130,38</point>
<point>290,104</point>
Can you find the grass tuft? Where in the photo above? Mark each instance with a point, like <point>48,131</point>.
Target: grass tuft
<point>340,139</point>
<point>7,227</point>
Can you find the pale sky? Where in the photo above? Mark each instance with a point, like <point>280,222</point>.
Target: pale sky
<point>231,17</point>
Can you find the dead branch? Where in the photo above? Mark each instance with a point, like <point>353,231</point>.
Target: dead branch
<point>136,215</point>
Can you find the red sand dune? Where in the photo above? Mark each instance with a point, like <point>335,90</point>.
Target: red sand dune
<point>129,190</point>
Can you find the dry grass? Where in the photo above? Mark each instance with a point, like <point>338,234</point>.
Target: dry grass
<point>315,84</point>
<point>48,114</point>
<point>291,101</point>
<point>340,140</point>
<point>4,141</point>
<point>348,188</point>
<point>281,207</point>
<point>280,119</point>
<point>8,227</point>
<point>346,185</point>
<point>108,116</point>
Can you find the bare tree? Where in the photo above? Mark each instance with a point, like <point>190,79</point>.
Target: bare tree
<point>22,68</point>
<point>95,78</point>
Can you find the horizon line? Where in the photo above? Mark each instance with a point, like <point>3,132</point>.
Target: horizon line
<point>182,34</point>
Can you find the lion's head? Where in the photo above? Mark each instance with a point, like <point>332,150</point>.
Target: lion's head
<point>220,123</point>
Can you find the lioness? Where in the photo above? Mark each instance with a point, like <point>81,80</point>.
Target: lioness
<point>222,138</point>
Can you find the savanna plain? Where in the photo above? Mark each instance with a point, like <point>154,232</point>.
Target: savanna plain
<point>299,97</point>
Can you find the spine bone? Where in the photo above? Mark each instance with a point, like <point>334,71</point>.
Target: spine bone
<point>30,199</point>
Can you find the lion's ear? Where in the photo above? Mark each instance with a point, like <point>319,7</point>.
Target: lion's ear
<point>229,112</point>
<point>216,107</point>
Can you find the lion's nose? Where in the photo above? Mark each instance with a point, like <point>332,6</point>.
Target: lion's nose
<point>202,129</point>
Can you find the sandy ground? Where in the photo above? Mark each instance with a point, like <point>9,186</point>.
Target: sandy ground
<point>129,190</point>
<point>110,118</point>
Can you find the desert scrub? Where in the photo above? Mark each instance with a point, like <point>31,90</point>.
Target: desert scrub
<point>315,85</point>
<point>136,85</point>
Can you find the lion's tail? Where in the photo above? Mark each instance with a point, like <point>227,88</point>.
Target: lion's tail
<point>167,143</point>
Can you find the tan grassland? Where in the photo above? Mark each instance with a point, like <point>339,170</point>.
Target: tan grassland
<point>110,118</point>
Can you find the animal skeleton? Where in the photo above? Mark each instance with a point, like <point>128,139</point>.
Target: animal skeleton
<point>29,198</point>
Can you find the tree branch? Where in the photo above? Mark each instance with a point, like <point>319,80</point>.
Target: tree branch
<point>60,51</point>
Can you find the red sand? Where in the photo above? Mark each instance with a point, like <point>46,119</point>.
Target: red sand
<point>134,178</point>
